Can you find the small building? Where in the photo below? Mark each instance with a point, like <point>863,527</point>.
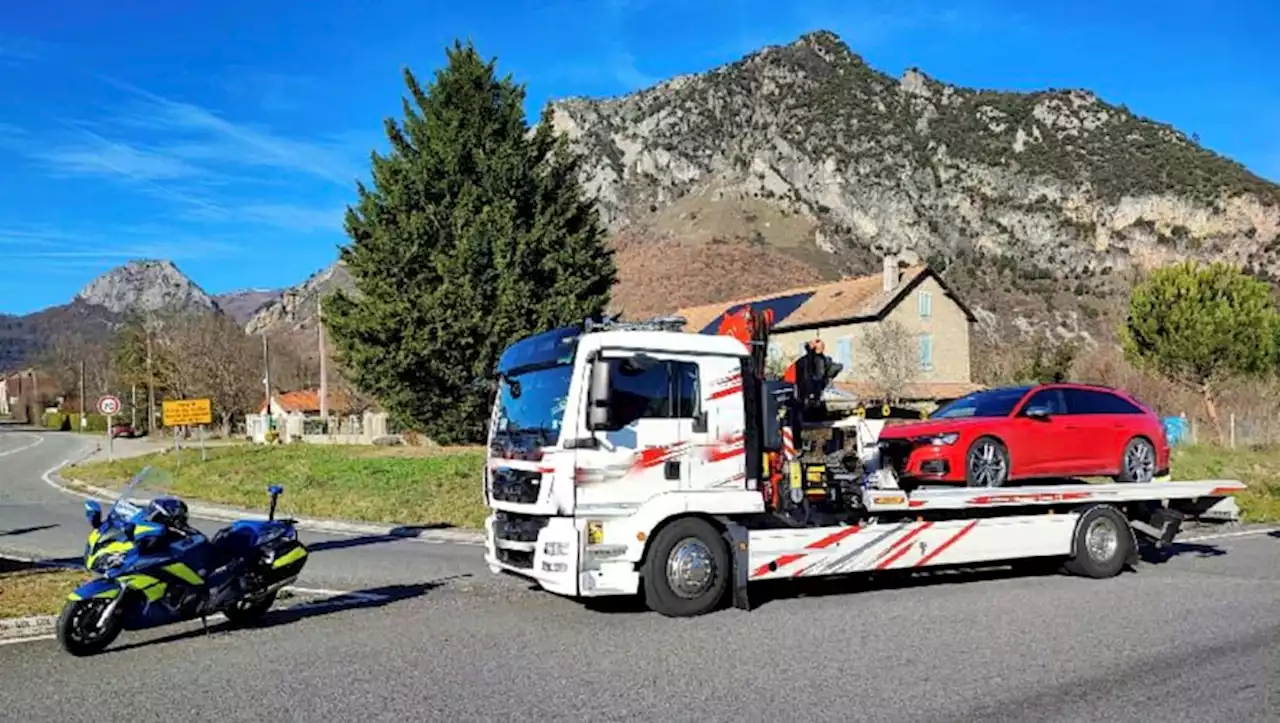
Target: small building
<point>295,416</point>
<point>20,390</point>
<point>921,329</point>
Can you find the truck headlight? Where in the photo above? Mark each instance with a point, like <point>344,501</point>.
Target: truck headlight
<point>555,549</point>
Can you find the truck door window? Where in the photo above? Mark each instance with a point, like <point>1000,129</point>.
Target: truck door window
<point>663,391</point>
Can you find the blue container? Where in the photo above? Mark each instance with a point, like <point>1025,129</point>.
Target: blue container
<point>1175,429</point>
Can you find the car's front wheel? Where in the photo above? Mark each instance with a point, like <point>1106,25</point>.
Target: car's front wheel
<point>987,463</point>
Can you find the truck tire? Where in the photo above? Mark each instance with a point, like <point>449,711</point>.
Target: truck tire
<point>687,569</point>
<point>1102,543</point>
<point>986,464</point>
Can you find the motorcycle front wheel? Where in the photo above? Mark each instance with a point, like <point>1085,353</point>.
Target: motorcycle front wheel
<point>78,629</point>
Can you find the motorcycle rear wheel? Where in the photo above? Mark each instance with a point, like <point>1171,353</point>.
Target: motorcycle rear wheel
<point>244,613</point>
<point>78,631</point>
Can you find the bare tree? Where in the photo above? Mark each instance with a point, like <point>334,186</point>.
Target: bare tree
<point>212,358</point>
<point>891,360</point>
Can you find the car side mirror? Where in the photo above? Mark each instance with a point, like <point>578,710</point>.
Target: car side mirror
<point>599,411</point>
<point>1037,412</point>
<point>93,513</point>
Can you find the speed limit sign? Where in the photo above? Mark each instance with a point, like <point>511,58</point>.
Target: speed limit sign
<point>108,406</point>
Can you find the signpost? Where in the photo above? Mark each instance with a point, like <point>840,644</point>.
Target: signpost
<point>187,412</point>
<point>108,406</point>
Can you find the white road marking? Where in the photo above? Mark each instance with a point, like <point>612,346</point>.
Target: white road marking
<point>23,448</point>
<point>32,639</point>
<point>1225,535</point>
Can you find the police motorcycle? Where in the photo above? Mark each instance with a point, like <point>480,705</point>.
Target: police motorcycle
<point>153,568</point>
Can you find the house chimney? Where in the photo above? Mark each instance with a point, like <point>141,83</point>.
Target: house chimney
<point>890,272</point>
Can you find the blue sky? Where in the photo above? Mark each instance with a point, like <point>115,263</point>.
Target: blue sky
<point>228,137</point>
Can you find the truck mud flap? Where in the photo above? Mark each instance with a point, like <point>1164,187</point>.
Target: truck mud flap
<point>736,537</point>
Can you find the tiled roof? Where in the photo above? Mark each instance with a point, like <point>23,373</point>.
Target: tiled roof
<point>308,400</point>
<point>844,299</point>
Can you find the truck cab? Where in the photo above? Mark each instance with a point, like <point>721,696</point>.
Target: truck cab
<point>600,433</point>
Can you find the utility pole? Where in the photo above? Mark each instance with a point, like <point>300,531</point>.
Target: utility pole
<point>324,377</point>
<point>266,376</point>
<point>84,411</point>
<point>133,406</point>
<point>151,387</point>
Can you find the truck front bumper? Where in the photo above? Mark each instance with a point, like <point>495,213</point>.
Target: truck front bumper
<point>555,559</point>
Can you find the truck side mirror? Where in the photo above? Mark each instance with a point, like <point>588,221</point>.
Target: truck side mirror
<point>599,414</point>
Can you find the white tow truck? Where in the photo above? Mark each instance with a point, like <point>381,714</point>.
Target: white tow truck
<point>636,458</point>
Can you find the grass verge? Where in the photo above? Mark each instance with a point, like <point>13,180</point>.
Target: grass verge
<point>407,485</point>
<point>1258,467</point>
<point>27,590</point>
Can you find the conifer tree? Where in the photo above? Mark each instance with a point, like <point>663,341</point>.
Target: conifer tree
<point>475,233</point>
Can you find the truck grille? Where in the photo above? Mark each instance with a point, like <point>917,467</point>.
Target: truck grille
<point>519,533</point>
<point>516,527</point>
<point>514,485</point>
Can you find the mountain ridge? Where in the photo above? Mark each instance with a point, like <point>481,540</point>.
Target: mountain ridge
<point>800,163</point>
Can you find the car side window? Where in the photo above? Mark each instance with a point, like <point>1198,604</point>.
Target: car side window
<point>662,390</point>
<point>1112,404</point>
<point>1049,399</point>
<point>1090,401</point>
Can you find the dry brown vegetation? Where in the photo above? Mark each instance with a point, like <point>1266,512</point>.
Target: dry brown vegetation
<point>661,275</point>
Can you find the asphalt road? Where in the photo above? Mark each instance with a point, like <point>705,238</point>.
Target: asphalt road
<point>1194,638</point>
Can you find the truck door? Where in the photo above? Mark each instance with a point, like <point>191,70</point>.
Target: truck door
<point>718,433</point>
<point>646,451</point>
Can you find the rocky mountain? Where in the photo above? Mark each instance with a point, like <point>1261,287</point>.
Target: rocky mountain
<point>138,286</point>
<point>1040,208</point>
<point>145,285</point>
<point>243,304</point>
<point>295,309</point>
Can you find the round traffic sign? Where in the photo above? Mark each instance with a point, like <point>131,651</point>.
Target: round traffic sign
<point>108,405</point>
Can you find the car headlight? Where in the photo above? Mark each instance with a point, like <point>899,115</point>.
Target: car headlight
<point>941,440</point>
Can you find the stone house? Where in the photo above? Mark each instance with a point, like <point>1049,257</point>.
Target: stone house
<point>914,300</point>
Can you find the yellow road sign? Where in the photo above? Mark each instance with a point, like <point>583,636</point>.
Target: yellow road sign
<point>186,412</point>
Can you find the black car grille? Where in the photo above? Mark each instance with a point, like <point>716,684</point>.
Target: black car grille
<point>514,485</point>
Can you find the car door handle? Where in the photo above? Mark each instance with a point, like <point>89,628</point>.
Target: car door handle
<point>671,470</point>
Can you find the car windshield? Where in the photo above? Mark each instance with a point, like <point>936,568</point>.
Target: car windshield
<point>991,403</point>
<point>530,407</point>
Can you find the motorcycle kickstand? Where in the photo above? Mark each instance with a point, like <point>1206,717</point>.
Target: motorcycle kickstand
<point>204,623</point>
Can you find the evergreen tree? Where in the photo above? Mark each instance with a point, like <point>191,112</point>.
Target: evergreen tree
<point>1200,325</point>
<point>474,234</point>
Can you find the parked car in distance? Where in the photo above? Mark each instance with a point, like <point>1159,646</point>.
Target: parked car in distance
<point>123,430</point>
<point>1010,434</point>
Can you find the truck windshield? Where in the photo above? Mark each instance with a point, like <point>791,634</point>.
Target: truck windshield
<point>533,387</point>
<point>531,407</point>
<point>991,403</point>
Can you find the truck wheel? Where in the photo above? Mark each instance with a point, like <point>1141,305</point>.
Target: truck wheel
<point>1101,545</point>
<point>1138,464</point>
<point>687,569</point>
<point>987,463</point>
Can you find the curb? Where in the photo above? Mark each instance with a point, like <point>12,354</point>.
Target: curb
<point>309,524</point>
<point>17,629</point>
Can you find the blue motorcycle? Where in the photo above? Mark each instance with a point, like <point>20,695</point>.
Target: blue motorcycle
<point>155,569</point>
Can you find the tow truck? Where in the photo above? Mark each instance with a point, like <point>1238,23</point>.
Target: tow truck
<point>634,458</point>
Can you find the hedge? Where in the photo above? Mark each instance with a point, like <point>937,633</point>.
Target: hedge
<point>70,422</point>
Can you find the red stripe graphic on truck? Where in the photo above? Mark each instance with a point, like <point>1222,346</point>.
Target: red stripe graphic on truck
<point>727,386</point>
<point>784,560</point>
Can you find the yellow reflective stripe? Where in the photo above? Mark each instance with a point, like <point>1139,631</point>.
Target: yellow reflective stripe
<point>108,549</point>
<point>185,573</point>
<point>150,586</point>
<point>293,555</point>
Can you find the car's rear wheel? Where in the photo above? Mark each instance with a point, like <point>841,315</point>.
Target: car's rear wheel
<point>987,463</point>
<point>1138,463</point>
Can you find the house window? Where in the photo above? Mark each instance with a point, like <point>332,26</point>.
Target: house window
<point>844,352</point>
<point>924,304</point>
<point>926,352</point>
